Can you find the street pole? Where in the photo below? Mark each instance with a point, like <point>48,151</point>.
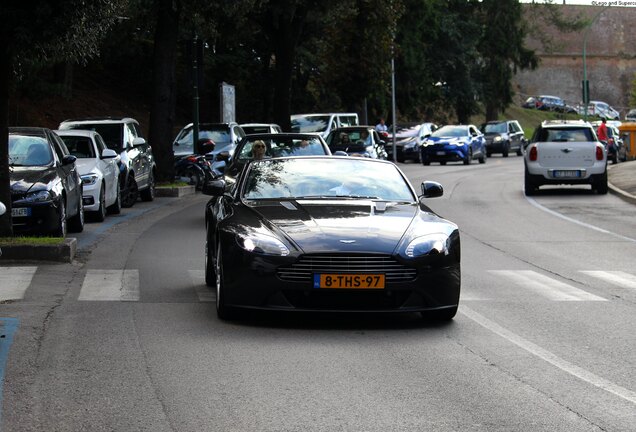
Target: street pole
<point>393,106</point>
<point>195,95</point>
<point>586,88</point>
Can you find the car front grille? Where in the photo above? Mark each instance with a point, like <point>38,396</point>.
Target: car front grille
<point>304,268</point>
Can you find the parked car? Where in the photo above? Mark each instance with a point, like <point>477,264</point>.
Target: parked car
<point>504,136</point>
<point>322,124</point>
<point>3,210</point>
<point>217,141</point>
<point>551,103</point>
<point>616,151</point>
<point>137,163</point>
<point>46,188</point>
<point>631,115</point>
<point>361,141</point>
<point>409,137</point>
<point>300,237</point>
<point>532,102</point>
<point>97,166</point>
<point>454,143</point>
<point>276,145</point>
<point>252,128</point>
<point>602,109</point>
<point>565,152</point>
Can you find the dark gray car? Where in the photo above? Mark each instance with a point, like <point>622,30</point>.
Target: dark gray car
<point>504,136</point>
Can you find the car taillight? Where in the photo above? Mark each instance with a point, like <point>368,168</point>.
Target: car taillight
<point>192,159</point>
<point>533,153</point>
<point>599,153</point>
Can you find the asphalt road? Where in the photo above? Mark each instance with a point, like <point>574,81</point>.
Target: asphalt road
<point>126,338</point>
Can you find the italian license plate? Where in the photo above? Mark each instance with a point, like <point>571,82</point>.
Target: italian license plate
<point>567,174</point>
<point>348,281</point>
<point>20,212</point>
<point>441,153</point>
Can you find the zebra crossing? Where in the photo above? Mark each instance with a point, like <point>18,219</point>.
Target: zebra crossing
<point>124,285</point>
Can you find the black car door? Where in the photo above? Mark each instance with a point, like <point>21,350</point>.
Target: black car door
<point>71,180</point>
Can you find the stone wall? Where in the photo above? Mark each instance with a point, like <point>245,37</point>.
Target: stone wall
<point>610,58</point>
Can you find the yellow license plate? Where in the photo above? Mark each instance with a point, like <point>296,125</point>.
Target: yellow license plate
<point>348,281</point>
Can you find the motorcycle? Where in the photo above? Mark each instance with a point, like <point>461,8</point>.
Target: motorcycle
<point>3,209</point>
<point>193,169</point>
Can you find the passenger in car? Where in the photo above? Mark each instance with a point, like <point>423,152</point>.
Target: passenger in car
<point>258,149</point>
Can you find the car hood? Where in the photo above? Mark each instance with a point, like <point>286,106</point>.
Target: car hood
<point>29,179</point>
<point>447,140</point>
<point>349,226</point>
<point>86,165</point>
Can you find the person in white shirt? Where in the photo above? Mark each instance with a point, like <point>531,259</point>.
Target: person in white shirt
<point>381,127</point>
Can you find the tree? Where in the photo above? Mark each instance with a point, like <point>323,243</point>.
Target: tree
<point>502,52</point>
<point>42,32</point>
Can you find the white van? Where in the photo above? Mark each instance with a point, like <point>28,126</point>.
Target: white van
<point>322,123</point>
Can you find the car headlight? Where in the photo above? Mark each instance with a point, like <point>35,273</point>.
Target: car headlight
<point>410,143</point>
<point>89,179</point>
<point>262,244</point>
<point>427,143</point>
<point>35,197</point>
<point>496,139</point>
<point>430,244</point>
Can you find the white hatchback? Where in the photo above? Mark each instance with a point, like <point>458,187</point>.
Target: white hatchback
<point>565,152</point>
<point>97,166</point>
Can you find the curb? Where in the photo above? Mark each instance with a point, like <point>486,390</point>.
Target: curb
<point>63,252</point>
<point>174,192</point>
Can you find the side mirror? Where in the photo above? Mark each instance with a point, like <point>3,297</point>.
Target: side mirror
<point>3,208</point>
<point>214,187</point>
<point>431,189</point>
<point>138,141</point>
<point>68,160</point>
<point>109,154</point>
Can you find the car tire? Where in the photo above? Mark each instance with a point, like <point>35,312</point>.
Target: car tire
<point>520,150</point>
<point>482,158</point>
<point>401,159</point>
<point>100,214</point>
<point>76,223</point>
<point>130,193</point>
<point>62,229</point>
<point>506,150</point>
<point>600,184</point>
<point>469,157</point>
<point>148,194</point>
<point>442,163</point>
<point>210,271</point>
<point>530,187</point>
<point>115,208</point>
<point>222,311</point>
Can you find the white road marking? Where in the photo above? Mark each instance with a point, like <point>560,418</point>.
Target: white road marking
<point>14,281</point>
<point>551,358</point>
<point>622,279</point>
<point>546,286</point>
<point>110,285</point>
<point>569,219</point>
<point>203,291</point>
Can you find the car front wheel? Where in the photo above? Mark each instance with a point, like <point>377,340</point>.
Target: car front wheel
<point>222,311</point>
<point>130,193</point>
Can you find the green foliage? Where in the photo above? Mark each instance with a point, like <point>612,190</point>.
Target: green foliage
<point>632,93</point>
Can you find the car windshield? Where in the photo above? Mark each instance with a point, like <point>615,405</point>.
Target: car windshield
<point>283,146</point>
<point>494,128</point>
<point>451,131</point>
<point>256,129</point>
<point>79,146</point>
<point>112,133</point>
<point>569,134</point>
<point>351,139</point>
<point>328,178</point>
<point>220,136</point>
<point>25,150</point>
<point>305,124</point>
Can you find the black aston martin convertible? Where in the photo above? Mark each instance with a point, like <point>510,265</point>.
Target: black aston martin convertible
<point>329,234</point>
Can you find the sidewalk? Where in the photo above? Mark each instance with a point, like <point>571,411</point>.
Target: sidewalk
<point>622,180</point>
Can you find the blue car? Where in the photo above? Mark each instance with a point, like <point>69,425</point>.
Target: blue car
<point>454,143</point>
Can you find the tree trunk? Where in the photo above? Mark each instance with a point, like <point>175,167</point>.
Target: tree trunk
<point>162,112</point>
<point>6,227</point>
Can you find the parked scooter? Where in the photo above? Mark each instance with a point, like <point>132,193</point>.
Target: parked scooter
<point>195,169</point>
<point>3,209</point>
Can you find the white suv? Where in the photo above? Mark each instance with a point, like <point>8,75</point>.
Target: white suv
<point>137,164</point>
<point>565,152</point>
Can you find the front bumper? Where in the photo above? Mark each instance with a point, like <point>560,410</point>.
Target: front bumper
<point>444,153</point>
<point>41,218</point>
